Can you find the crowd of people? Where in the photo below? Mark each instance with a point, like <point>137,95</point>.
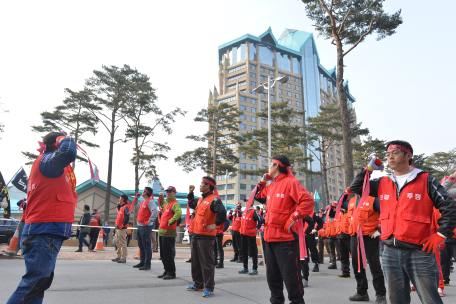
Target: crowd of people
<point>403,225</point>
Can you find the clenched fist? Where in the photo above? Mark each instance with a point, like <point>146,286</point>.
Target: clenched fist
<point>191,188</point>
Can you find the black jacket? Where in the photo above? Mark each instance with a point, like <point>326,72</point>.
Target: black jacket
<point>216,207</point>
<point>311,225</point>
<point>318,220</point>
<point>442,201</point>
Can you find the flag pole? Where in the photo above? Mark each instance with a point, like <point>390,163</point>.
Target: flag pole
<point>14,176</point>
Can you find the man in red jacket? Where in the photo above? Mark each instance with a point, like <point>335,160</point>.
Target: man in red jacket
<point>287,201</point>
<point>407,199</point>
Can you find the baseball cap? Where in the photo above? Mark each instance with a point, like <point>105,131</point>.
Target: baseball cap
<point>171,188</point>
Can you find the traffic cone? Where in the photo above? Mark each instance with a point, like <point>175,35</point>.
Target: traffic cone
<point>12,248</point>
<point>137,255</point>
<point>99,246</point>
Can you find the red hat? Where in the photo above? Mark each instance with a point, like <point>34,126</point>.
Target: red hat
<point>171,188</point>
<point>334,204</point>
<point>95,210</point>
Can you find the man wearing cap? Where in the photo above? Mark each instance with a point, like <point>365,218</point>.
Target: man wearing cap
<point>321,238</point>
<point>311,244</point>
<point>123,216</point>
<point>171,213</point>
<point>236,217</point>
<point>288,202</point>
<point>95,220</point>
<point>209,213</point>
<point>147,213</point>
<point>332,235</point>
<point>407,199</point>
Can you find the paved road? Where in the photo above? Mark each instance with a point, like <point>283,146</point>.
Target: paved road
<point>101,281</point>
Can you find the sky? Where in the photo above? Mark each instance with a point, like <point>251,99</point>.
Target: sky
<point>402,84</point>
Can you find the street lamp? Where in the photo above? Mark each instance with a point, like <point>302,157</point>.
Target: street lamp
<point>226,186</point>
<point>260,89</point>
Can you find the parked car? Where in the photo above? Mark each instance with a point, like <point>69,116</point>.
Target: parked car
<point>7,229</point>
<point>228,239</point>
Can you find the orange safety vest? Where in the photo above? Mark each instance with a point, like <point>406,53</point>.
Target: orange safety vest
<point>204,216</point>
<point>345,226</point>
<point>95,220</point>
<point>366,217</point>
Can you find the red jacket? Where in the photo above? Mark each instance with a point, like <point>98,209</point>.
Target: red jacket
<point>248,224</point>
<point>283,197</point>
<point>144,212</point>
<point>409,217</point>
<point>168,215</point>
<point>204,216</point>
<point>49,199</point>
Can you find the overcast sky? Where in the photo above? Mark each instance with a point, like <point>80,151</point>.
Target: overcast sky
<point>402,84</point>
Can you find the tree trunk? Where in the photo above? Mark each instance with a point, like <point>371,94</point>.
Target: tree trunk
<point>76,135</point>
<point>108,182</point>
<point>323,168</point>
<point>346,130</point>
<point>136,175</point>
<point>214,156</point>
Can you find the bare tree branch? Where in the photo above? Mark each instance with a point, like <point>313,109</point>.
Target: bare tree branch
<point>360,38</point>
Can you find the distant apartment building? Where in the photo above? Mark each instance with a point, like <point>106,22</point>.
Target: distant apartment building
<point>245,63</point>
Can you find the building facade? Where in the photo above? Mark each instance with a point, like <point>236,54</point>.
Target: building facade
<point>245,63</point>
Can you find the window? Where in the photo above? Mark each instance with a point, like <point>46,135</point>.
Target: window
<point>243,126</point>
<point>280,83</point>
<point>298,120</point>
<point>253,167</point>
<point>297,95</point>
<point>263,94</point>
<point>296,88</point>
<point>234,85</point>
<point>271,72</point>
<point>263,103</point>
<point>298,103</point>
<point>253,84</point>
<point>242,197</point>
<point>243,166</point>
<point>242,186</point>
<point>252,118</point>
<point>243,117</point>
<point>227,99</point>
<point>252,128</point>
<point>243,108</point>
<point>242,155</point>
<point>300,164</point>
<point>263,121</point>
<point>262,69</point>
<point>252,187</point>
<point>229,197</point>
<point>254,67</point>
<point>253,110</point>
<point>236,77</point>
<point>272,97</point>
<point>296,80</point>
<point>301,173</point>
<point>253,177</point>
<point>280,91</point>
<point>290,102</point>
<point>280,74</point>
<point>241,176</point>
<point>262,77</point>
<point>288,93</point>
<point>220,187</point>
<point>252,92</point>
<point>253,75</point>
<point>264,167</point>
<point>272,89</point>
<point>289,85</point>
<point>252,100</point>
<point>236,68</point>
<point>243,98</point>
<point>264,158</point>
<point>280,98</point>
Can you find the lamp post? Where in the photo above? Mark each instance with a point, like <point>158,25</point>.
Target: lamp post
<point>226,186</point>
<point>260,89</point>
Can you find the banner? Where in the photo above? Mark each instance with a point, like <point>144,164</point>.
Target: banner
<point>20,181</point>
<point>4,195</point>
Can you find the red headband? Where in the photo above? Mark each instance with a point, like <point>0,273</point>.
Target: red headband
<point>399,147</point>
<point>212,184</point>
<point>147,191</point>
<point>289,173</point>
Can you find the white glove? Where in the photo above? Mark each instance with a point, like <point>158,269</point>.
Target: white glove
<point>375,234</point>
<point>313,231</point>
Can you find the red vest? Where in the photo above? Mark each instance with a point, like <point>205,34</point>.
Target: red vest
<point>49,199</point>
<point>190,226</point>
<point>167,215</point>
<point>121,215</point>
<point>144,213</point>
<point>204,216</point>
<point>339,222</point>
<point>95,220</point>
<point>366,217</point>
<point>248,224</point>
<point>408,217</point>
<point>236,222</point>
<point>345,225</point>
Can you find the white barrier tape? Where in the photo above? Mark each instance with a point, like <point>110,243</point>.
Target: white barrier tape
<point>133,228</point>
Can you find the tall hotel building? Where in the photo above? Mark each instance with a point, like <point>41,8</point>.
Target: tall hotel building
<point>246,62</point>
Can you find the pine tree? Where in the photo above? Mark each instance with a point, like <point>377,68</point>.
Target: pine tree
<point>366,150</point>
<point>443,163</point>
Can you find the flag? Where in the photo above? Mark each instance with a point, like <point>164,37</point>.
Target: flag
<point>4,194</point>
<point>20,181</point>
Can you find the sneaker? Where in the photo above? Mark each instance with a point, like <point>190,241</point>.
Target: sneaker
<point>19,252</point>
<point>358,297</point>
<point>121,261</point>
<point>316,268</point>
<point>441,292</point>
<point>344,276</point>
<point>193,288</point>
<point>244,271</point>
<point>305,283</point>
<point>115,260</point>
<point>260,263</point>
<point>332,266</point>
<point>412,288</point>
<point>219,265</point>
<point>207,294</point>
<point>138,265</point>
<point>144,268</point>
<point>92,251</point>
<point>189,261</point>
<point>240,261</point>
<point>162,275</point>
<point>169,277</point>
<point>380,299</point>
<point>234,259</point>
<point>253,272</point>
<point>446,282</point>
<point>79,250</point>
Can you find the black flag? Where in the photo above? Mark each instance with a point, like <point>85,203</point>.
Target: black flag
<point>4,194</point>
<point>20,181</point>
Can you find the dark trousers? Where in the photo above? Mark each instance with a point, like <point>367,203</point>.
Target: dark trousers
<point>128,239</point>
<point>344,245</point>
<point>218,249</point>
<point>332,243</point>
<point>144,244</point>
<point>249,245</point>
<point>445,258</point>
<point>93,236</point>
<point>237,247</point>
<point>203,265</point>
<point>305,268</point>
<point>282,260</point>
<point>167,252</point>
<point>372,255</point>
<point>311,245</point>
<point>321,249</point>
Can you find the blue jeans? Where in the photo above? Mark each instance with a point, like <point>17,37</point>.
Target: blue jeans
<point>21,227</point>
<point>40,253</point>
<point>402,266</point>
<point>144,244</point>
<point>82,240</point>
